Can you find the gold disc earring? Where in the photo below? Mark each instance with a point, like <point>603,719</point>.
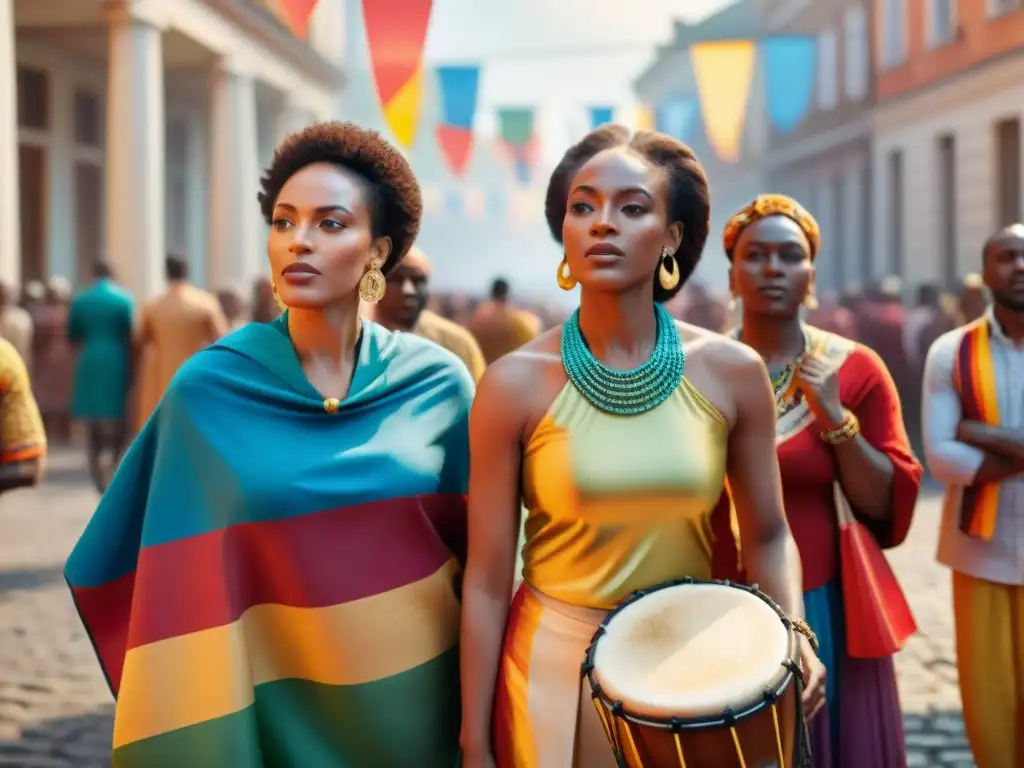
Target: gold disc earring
<point>668,273</point>
<point>372,285</point>
<point>565,279</point>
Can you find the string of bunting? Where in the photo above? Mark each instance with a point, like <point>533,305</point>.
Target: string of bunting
<point>713,109</point>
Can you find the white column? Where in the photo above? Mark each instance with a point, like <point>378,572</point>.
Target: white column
<point>135,164</point>
<point>236,254</point>
<point>10,221</point>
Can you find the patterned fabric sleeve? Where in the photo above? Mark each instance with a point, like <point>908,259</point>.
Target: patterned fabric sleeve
<point>22,436</point>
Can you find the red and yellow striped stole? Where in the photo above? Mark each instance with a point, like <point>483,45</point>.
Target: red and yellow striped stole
<point>975,379</point>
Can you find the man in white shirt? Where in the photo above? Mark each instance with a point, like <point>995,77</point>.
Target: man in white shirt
<point>973,417</point>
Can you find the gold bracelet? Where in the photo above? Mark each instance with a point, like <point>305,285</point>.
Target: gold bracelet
<point>848,430</point>
<point>802,627</point>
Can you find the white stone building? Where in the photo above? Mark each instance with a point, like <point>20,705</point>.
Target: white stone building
<point>134,128</point>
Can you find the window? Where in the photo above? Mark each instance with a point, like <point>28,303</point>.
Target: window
<point>88,219</point>
<point>945,148</point>
<point>941,22</point>
<point>855,50</point>
<point>88,119</point>
<point>828,86</point>
<point>840,256</point>
<point>1008,171</point>
<point>866,201</point>
<point>894,32</point>
<point>999,7</point>
<point>33,98</point>
<point>895,168</point>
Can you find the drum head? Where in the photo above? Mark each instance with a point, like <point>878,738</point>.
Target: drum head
<point>691,651</point>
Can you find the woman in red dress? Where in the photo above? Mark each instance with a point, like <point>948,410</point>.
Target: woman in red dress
<point>840,431</point>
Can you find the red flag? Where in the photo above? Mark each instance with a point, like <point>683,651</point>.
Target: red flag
<point>396,31</point>
<point>296,15</point>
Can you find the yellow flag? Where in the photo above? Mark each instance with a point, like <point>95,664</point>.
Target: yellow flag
<point>643,118</point>
<point>403,111</point>
<point>723,73</point>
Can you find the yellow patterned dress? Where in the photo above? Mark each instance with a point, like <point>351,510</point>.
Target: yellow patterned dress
<point>22,437</point>
<point>614,504</point>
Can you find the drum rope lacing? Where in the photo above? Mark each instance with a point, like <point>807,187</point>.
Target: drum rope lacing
<point>802,757</point>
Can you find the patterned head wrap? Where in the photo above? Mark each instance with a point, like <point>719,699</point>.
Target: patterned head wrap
<point>764,206</point>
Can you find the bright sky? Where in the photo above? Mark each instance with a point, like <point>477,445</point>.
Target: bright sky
<point>537,51</point>
<point>558,56</point>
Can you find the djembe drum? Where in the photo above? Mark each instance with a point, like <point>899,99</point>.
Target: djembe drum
<point>699,674</point>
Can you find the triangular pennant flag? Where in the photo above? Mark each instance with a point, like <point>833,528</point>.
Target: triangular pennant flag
<point>723,72</point>
<point>396,31</point>
<point>296,15</point>
<point>459,87</point>
<point>677,117</point>
<point>600,116</point>
<point>789,69</point>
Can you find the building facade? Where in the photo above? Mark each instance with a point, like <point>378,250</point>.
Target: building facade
<point>825,162</point>
<point>670,77</point>
<point>947,151</point>
<point>134,128</point>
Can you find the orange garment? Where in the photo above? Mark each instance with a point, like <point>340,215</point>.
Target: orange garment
<point>171,329</point>
<point>499,329</point>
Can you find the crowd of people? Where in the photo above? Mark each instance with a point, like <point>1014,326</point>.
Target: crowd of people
<point>308,554</point>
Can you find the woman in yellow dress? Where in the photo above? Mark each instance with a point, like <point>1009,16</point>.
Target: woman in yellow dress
<point>617,432</point>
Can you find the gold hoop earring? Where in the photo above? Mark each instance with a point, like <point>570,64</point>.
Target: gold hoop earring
<point>810,301</point>
<point>668,273</point>
<point>372,285</point>
<point>565,279</point>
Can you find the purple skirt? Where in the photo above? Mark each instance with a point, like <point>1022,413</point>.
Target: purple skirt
<point>863,722</point>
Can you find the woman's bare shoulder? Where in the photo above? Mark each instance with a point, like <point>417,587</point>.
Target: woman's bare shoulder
<point>518,373</point>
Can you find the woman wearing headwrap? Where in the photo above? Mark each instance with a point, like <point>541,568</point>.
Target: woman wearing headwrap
<point>839,429</point>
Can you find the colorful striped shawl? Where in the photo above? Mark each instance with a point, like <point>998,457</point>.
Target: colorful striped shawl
<point>975,381</point>
<point>269,584</point>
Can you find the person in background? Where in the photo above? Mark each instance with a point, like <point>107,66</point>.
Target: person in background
<point>100,328</point>
<point>973,415</point>
<point>53,359</point>
<point>925,323</point>
<point>265,308</point>
<point>233,308</point>
<point>169,331</point>
<point>403,308</point>
<point>973,300</point>
<point>22,437</point>
<point>830,315</point>
<point>838,423</point>
<point>16,324</point>
<point>920,317</point>
<point>499,327</point>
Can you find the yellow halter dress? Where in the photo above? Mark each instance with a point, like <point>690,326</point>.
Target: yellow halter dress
<point>614,504</point>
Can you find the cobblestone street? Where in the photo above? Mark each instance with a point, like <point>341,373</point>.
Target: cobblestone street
<point>55,711</point>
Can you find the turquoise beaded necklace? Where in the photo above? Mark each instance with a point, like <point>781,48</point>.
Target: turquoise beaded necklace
<point>625,392</point>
